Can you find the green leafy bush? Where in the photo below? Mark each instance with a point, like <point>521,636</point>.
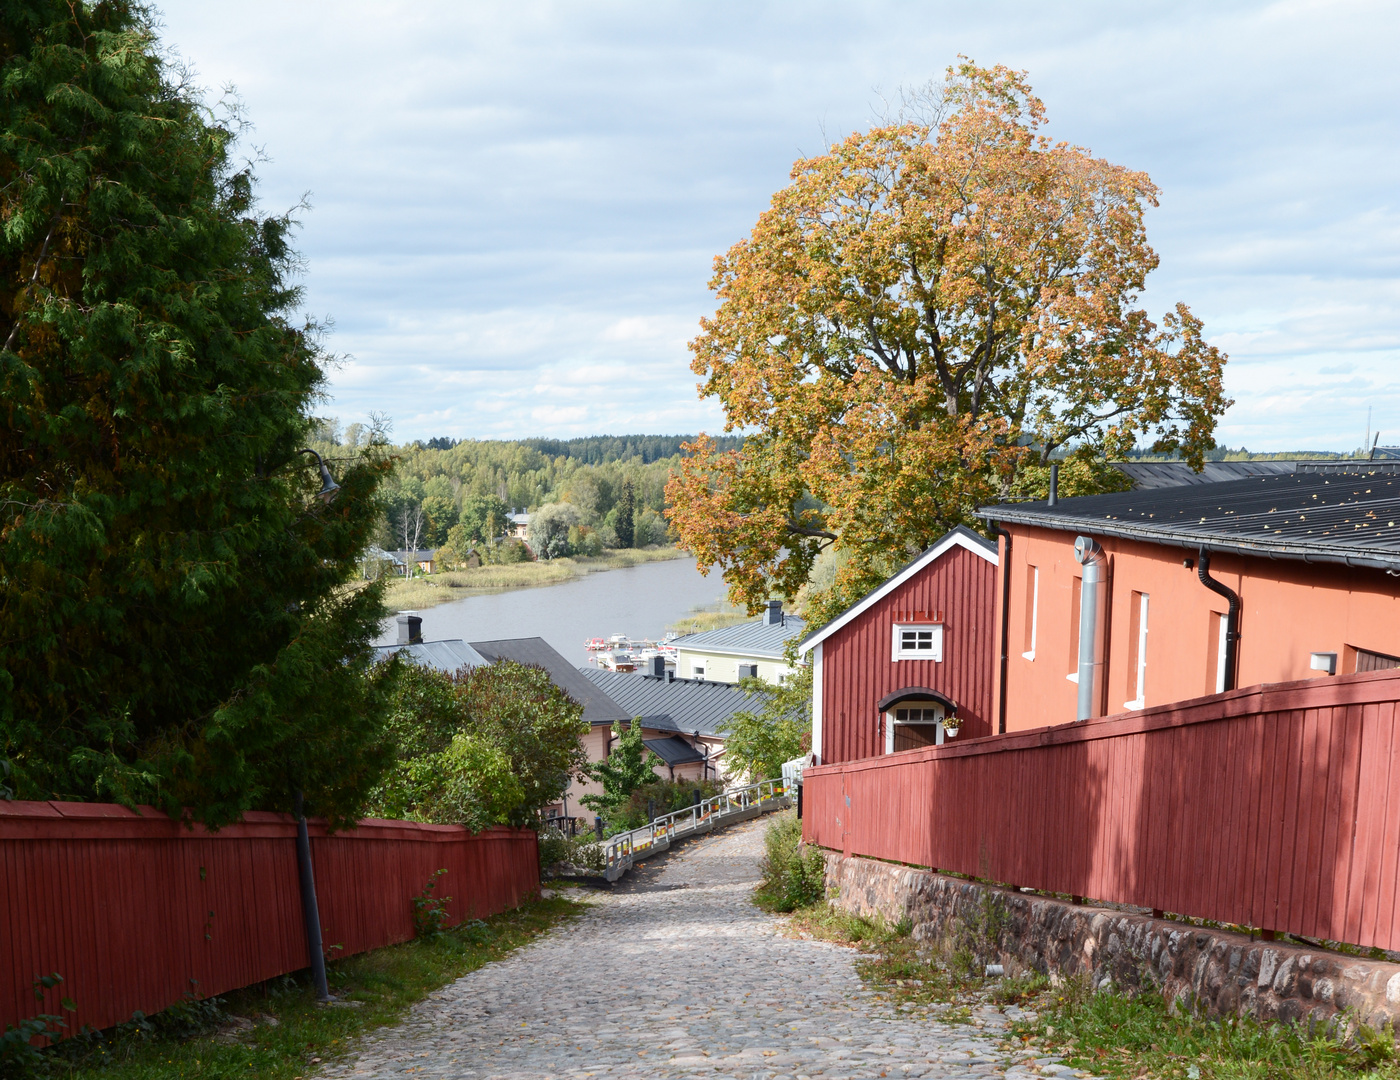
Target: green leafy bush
<point>661,796</point>
<point>794,875</point>
<point>488,745</point>
<point>429,911</point>
<point>583,852</point>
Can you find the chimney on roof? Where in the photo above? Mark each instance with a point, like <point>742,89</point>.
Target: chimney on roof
<point>656,666</point>
<point>773,616</point>
<point>410,628</point>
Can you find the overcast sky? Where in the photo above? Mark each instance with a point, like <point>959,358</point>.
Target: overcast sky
<point>516,205</point>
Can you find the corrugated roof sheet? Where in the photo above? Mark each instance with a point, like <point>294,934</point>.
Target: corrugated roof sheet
<point>690,705</point>
<point>598,707</point>
<point>451,655</point>
<point>1159,474</point>
<point>1346,514</point>
<point>755,638</point>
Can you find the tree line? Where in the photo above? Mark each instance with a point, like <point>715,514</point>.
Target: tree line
<point>601,492</point>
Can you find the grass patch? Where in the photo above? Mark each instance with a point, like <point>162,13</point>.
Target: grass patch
<point>793,876</point>
<point>1129,1038</point>
<point>414,594</point>
<point>277,1031</point>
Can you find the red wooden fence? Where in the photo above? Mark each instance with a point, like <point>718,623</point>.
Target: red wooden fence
<point>1274,806</point>
<point>134,910</point>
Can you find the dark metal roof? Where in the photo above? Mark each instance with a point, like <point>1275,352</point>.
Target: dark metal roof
<point>1159,474</point>
<point>1336,512</point>
<point>598,707</point>
<point>754,638</point>
<point>696,706</point>
<point>451,655</point>
<point>674,750</point>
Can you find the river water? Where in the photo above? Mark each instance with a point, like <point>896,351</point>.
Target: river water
<point>639,601</point>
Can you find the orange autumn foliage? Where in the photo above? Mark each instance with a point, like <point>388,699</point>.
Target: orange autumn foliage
<point>929,309</point>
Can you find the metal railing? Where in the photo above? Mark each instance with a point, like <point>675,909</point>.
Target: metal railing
<point>622,850</point>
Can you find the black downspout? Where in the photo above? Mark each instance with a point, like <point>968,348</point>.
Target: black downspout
<point>997,530</point>
<point>309,912</point>
<point>1232,620</point>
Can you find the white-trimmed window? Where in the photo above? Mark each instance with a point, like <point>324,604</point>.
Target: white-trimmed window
<point>911,726</point>
<point>918,641</point>
<point>697,670</point>
<point>1222,640</point>
<point>1032,609</point>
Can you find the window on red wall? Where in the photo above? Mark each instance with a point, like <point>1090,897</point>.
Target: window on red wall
<point>918,641</point>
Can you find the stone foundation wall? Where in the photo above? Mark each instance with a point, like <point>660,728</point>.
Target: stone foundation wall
<point>1224,972</point>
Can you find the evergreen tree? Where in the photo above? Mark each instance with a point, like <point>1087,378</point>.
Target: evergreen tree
<point>174,626</point>
<point>626,505</point>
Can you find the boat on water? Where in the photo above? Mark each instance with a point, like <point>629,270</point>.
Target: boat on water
<point>615,660</point>
<point>623,643</point>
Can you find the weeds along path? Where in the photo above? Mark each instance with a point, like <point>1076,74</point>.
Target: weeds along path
<point>680,976</point>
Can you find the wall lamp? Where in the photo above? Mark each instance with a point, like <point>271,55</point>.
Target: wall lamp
<point>328,485</point>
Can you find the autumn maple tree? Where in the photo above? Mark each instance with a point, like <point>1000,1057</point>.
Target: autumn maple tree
<point>927,314</point>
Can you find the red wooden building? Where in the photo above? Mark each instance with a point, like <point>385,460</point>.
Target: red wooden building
<point>888,670</point>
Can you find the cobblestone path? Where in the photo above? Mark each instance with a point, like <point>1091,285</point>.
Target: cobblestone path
<point>682,978</point>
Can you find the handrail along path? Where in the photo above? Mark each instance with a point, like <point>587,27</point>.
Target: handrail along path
<point>620,852</point>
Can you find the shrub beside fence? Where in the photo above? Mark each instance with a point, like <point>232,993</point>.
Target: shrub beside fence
<point>1275,807</point>
<point>135,911</point>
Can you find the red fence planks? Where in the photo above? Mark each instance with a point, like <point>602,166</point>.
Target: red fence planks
<point>1274,806</point>
<point>135,910</point>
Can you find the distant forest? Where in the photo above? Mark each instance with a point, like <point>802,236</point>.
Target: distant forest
<point>601,449</point>
<point>469,481</point>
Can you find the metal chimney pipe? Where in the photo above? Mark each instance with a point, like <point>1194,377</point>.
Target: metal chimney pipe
<point>1092,597</point>
<point>1054,486</point>
<point>410,628</point>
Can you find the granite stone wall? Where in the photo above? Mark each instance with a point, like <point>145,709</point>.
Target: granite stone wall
<point>1224,972</point>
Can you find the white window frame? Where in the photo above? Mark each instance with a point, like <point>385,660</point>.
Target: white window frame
<point>1140,675</point>
<point>697,671</point>
<point>1222,640</point>
<point>935,650</point>
<point>1035,611</point>
<point>891,723</point>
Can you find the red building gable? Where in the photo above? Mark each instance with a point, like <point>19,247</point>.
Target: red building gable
<point>889,669</point>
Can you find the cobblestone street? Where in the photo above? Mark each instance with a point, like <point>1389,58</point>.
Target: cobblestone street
<point>680,976</point>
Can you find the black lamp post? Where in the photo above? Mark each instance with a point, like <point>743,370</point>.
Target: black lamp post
<point>310,911</point>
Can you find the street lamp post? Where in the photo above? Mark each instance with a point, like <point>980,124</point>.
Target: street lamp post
<point>328,485</point>
<point>310,910</point>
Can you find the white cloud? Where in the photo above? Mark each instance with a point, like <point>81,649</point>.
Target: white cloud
<point>520,200</point>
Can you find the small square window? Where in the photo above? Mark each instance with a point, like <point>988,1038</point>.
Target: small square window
<point>919,642</point>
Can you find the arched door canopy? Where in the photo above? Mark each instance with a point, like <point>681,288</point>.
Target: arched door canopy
<point>917,693</point>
